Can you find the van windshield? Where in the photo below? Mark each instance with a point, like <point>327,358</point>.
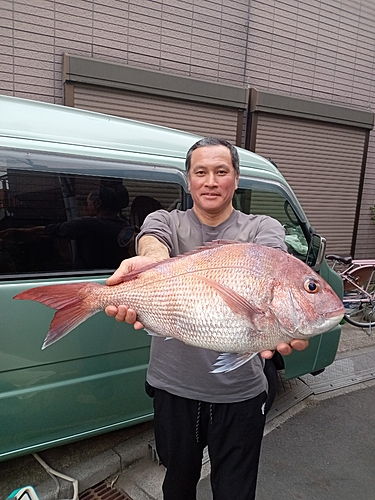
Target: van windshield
<point>262,198</point>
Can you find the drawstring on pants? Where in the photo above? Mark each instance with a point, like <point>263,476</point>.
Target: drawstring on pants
<point>198,421</point>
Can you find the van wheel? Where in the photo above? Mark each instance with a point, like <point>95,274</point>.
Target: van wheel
<point>270,372</point>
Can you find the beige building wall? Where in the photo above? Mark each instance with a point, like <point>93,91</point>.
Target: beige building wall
<point>318,50</point>
<point>197,38</point>
<point>324,51</point>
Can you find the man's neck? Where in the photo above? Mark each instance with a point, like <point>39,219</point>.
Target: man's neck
<point>213,219</point>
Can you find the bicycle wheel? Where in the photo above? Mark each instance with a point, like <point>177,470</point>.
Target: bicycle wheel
<point>360,302</point>
<point>362,316</point>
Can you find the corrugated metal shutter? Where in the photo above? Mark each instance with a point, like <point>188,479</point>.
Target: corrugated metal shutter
<point>322,162</point>
<point>197,118</point>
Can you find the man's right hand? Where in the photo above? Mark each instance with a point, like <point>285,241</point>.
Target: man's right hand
<point>151,250</point>
<point>127,266</point>
<point>123,313</point>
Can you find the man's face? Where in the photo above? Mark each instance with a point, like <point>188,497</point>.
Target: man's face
<point>90,206</point>
<point>212,179</point>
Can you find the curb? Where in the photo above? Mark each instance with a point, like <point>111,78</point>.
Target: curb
<point>89,473</point>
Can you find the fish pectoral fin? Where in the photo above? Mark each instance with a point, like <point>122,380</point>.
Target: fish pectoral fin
<point>235,301</point>
<point>229,361</point>
<point>154,334</point>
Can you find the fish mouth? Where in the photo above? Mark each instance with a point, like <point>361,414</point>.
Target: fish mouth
<point>331,320</point>
<point>337,313</point>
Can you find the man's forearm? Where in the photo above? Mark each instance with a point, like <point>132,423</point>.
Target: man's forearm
<point>149,246</point>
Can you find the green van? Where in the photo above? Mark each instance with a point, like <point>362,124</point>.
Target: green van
<point>52,160</point>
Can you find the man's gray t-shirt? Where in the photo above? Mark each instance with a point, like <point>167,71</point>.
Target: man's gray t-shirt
<point>184,370</point>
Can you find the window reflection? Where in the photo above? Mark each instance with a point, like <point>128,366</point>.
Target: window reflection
<point>259,201</point>
<point>59,223</point>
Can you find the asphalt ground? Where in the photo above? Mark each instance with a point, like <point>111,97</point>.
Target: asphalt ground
<point>325,452</point>
<point>322,448</point>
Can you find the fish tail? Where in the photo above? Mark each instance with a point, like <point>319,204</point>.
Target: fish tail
<point>70,302</point>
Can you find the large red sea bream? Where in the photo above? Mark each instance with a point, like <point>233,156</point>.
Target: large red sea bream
<point>235,298</point>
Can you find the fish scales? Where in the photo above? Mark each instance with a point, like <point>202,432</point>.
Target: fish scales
<point>174,291</point>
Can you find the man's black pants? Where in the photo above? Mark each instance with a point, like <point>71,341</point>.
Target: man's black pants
<point>233,433</point>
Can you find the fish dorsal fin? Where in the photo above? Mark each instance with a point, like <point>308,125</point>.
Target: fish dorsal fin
<point>209,245</point>
<point>134,274</point>
<point>219,243</point>
<point>235,301</point>
<point>206,246</point>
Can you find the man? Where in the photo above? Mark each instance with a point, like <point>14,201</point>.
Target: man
<point>96,237</point>
<point>193,407</point>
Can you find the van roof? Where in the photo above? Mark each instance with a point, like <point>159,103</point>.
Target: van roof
<point>61,129</point>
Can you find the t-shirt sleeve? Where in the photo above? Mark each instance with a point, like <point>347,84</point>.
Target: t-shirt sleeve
<point>270,233</point>
<point>157,224</point>
<point>77,227</point>
<point>68,229</point>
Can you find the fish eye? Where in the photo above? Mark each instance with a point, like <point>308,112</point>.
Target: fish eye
<point>311,286</point>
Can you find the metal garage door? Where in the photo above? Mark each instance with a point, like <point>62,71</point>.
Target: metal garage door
<point>322,162</point>
<point>197,118</point>
<point>197,106</point>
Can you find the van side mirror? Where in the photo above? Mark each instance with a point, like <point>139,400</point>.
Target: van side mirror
<point>316,251</point>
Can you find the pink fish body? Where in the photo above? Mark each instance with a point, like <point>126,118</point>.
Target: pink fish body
<point>233,298</point>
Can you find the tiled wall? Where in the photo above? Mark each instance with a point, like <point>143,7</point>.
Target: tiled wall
<point>322,50</point>
<point>198,38</point>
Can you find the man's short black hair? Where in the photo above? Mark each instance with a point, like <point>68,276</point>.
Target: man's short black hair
<point>213,141</point>
<point>112,199</point>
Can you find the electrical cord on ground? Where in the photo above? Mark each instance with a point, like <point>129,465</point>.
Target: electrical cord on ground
<point>53,473</point>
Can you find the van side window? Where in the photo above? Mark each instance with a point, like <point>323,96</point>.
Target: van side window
<point>258,201</point>
<point>58,222</point>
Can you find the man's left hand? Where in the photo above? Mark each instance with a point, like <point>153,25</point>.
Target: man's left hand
<point>285,349</point>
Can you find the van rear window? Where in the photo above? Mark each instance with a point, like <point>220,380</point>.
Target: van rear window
<point>62,222</point>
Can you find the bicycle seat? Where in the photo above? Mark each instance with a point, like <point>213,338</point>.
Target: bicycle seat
<point>345,260</point>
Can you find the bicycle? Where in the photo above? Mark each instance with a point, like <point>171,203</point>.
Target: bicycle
<point>359,289</point>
